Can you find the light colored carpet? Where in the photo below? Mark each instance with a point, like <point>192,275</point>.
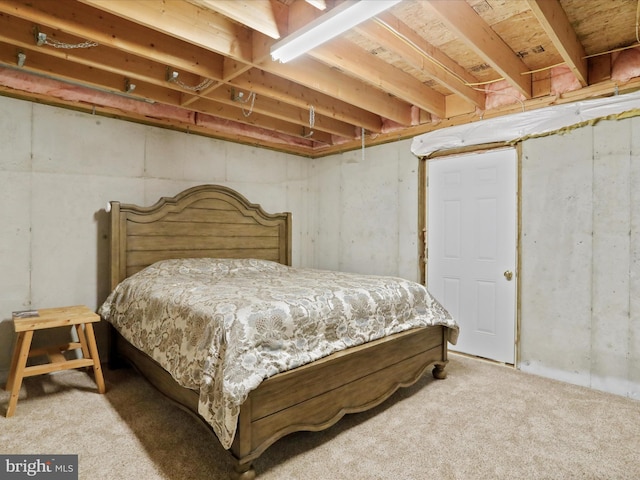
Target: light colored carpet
<point>484,421</point>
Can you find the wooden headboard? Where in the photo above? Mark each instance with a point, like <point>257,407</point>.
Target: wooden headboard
<point>203,221</point>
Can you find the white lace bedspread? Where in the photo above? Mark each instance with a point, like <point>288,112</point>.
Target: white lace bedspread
<point>221,326</point>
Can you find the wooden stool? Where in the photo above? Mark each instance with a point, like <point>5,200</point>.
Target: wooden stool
<point>80,317</point>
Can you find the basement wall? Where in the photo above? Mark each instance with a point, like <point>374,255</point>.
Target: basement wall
<point>580,221</point>
<point>580,254</point>
<point>364,211</point>
<point>58,170</point>
<point>580,243</point>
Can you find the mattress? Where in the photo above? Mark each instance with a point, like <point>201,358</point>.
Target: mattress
<point>222,326</point>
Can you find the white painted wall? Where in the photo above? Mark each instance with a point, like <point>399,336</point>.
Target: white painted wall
<point>58,170</point>
<point>580,276</point>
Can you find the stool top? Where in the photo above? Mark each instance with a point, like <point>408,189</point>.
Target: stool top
<point>55,317</point>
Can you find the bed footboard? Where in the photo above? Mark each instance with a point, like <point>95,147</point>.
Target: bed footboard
<point>316,396</point>
<point>312,397</point>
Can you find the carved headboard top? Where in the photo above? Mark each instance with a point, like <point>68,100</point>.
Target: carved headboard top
<point>203,221</point>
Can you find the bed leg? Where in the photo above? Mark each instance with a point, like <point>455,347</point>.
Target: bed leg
<point>439,371</point>
<point>244,472</point>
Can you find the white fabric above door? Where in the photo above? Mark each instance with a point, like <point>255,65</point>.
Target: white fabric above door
<point>511,128</point>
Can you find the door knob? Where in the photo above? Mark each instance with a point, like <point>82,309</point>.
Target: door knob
<point>508,274</point>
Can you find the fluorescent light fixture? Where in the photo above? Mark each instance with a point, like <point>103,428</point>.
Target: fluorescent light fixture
<point>319,4</point>
<point>338,20</point>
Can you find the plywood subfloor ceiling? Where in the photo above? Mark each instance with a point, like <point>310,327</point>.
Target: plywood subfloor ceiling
<point>204,66</point>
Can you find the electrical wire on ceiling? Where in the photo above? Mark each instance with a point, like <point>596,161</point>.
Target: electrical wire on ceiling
<point>173,77</point>
<point>442,66</point>
<point>239,97</point>
<point>312,121</point>
<point>42,39</point>
<point>439,64</point>
<point>250,98</point>
<point>628,47</point>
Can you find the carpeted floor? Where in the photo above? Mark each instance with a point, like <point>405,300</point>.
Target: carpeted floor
<point>485,421</point>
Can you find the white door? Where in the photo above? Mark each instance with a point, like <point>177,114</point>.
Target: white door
<point>472,236</point>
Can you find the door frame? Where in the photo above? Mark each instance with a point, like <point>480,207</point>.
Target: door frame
<point>423,211</point>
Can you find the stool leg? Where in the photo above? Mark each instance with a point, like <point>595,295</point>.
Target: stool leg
<point>17,371</point>
<point>83,341</point>
<point>93,350</point>
<point>14,361</point>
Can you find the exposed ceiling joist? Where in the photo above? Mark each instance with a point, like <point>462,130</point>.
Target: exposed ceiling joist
<point>108,30</point>
<point>344,55</point>
<point>205,65</point>
<point>260,15</point>
<point>187,22</point>
<point>555,22</point>
<point>396,36</point>
<point>460,18</point>
<point>327,80</point>
<point>268,84</point>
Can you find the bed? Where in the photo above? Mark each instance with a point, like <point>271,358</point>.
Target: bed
<point>212,226</point>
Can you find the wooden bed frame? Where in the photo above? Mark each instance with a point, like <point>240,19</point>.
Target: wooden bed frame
<point>215,221</point>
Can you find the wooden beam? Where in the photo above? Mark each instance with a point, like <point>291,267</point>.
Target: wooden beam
<point>209,30</point>
<point>230,69</point>
<point>209,126</point>
<point>397,37</point>
<point>272,87</point>
<point>108,30</point>
<point>556,24</point>
<point>279,109</point>
<point>317,76</point>
<point>244,113</point>
<point>350,58</point>
<point>76,74</point>
<point>324,79</point>
<point>185,21</point>
<point>102,58</point>
<point>288,91</point>
<point>462,19</point>
<point>335,83</point>
<point>127,66</point>
<point>107,81</point>
<point>256,14</point>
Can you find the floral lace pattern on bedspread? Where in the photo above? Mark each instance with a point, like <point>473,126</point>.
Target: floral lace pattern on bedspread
<point>222,326</point>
